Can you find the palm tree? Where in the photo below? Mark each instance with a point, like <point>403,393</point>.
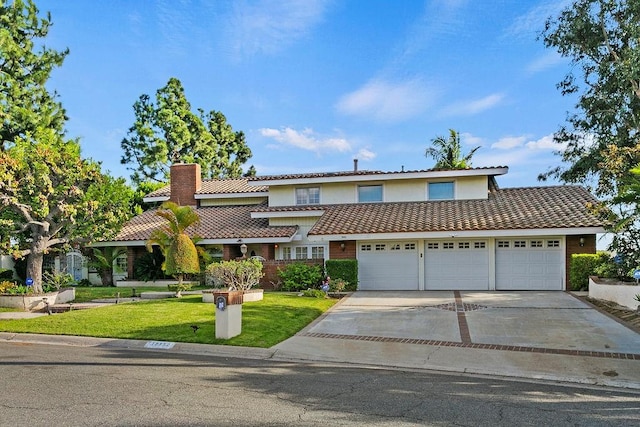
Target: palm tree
<point>102,260</point>
<point>179,250</point>
<point>448,152</point>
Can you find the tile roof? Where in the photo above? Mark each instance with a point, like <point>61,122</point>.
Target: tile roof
<point>357,173</point>
<point>218,186</point>
<point>216,222</point>
<point>505,209</point>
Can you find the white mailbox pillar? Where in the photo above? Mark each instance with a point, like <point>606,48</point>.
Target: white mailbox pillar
<point>228,313</point>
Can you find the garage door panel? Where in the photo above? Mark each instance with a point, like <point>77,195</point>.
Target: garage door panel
<point>451,266</point>
<point>534,264</point>
<point>388,266</point>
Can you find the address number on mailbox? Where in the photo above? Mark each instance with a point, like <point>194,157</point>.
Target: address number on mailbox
<point>221,303</point>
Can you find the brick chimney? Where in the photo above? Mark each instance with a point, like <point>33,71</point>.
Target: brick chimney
<point>185,181</point>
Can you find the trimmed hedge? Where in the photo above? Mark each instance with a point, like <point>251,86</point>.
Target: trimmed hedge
<point>299,276</point>
<point>345,269</point>
<point>582,266</point>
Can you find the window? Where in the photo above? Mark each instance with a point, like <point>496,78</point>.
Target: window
<point>520,244</point>
<point>463,245</point>
<point>365,248</point>
<point>121,264</point>
<point>301,252</point>
<point>317,252</point>
<point>286,253</point>
<point>536,243</point>
<point>369,193</point>
<point>380,246</point>
<point>503,243</point>
<point>395,247</point>
<point>440,190</point>
<point>432,245</point>
<point>308,196</point>
<point>447,245</point>
<point>409,246</point>
<point>553,243</point>
<point>479,245</point>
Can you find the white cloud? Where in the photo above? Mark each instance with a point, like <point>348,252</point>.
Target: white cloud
<point>544,62</point>
<point>306,139</point>
<point>544,143</point>
<point>269,26</point>
<point>509,142</point>
<point>365,154</point>
<point>529,25</point>
<point>386,101</point>
<point>471,107</point>
<point>469,139</point>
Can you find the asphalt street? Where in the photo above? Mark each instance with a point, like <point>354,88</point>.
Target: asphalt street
<point>70,385</point>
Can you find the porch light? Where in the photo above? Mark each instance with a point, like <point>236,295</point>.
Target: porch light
<point>243,249</point>
<point>581,241</point>
<point>342,246</point>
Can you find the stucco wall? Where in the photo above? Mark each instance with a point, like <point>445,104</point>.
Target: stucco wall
<point>621,294</point>
<point>474,187</point>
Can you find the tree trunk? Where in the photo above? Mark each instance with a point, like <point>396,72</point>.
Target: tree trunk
<point>106,276</point>
<point>34,269</point>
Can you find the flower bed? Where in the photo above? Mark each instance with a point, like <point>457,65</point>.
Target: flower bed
<point>621,293</point>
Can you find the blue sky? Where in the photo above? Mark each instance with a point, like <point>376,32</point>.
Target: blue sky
<point>316,83</point>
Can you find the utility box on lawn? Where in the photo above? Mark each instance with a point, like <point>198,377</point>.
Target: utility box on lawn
<point>228,313</point>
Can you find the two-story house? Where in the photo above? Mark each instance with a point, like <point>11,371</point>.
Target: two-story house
<point>409,230</point>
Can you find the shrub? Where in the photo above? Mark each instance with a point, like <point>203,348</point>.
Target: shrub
<point>236,275</point>
<point>85,283</point>
<point>582,266</point>
<point>314,293</point>
<point>6,274</point>
<point>6,286</point>
<point>52,281</point>
<point>343,269</point>
<point>338,285</point>
<point>148,267</point>
<point>298,276</point>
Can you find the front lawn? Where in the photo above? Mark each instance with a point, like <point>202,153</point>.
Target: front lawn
<point>85,294</point>
<point>264,323</point>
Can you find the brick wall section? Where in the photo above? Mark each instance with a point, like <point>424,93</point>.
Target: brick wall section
<point>132,254</point>
<point>270,269</point>
<point>336,252</point>
<point>573,247</point>
<point>185,181</point>
<point>268,251</point>
<point>230,252</point>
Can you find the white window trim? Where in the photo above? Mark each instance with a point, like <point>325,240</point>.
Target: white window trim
<point>369,185</point>
<point>295,196</point>
<point>440,181</point>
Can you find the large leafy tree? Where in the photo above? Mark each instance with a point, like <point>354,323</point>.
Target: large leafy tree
<point>447,152</point>
<point>179,250</point>
<point>601,136</point>
<point>167,131</point>
<point>51,197</point>
<point>25,103</point>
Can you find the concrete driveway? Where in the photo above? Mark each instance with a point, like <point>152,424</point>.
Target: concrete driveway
<point>530,334</point>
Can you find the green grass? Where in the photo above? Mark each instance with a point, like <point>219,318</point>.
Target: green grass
<point>85,294</point>
<point>264,323</point>
<point>8,309</point>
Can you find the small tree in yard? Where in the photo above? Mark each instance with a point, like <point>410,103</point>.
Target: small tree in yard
<point>236,275</point>
<point>179,250</point>
<point>102,260</point>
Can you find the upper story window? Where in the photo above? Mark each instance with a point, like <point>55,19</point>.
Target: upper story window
<point>440,190</point>
<point>369,193</point>
<point>308,196</point>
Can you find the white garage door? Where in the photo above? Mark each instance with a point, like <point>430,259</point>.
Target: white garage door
<point>457,265</point>
<point>388,266</point>
<point>529,264</point>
